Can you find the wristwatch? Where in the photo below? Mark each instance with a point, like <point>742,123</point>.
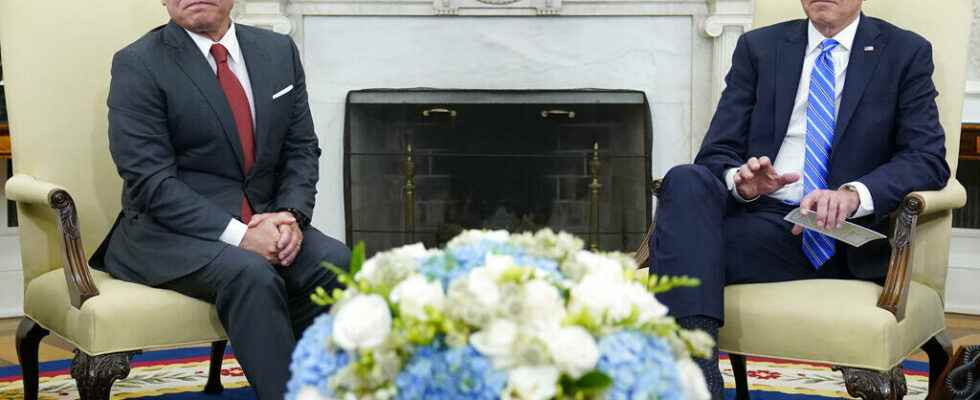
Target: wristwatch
<point>301,219</point>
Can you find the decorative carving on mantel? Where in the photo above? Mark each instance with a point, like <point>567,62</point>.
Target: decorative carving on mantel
<point>452,7</point>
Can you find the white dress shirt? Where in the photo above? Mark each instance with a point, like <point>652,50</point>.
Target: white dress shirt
<point>791,154</point>
<point>235,231</point>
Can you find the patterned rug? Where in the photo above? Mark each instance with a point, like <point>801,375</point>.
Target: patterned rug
<point>181,373</point>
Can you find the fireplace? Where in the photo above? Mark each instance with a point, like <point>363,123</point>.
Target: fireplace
<point>421,165</point>
<point>675,52</point>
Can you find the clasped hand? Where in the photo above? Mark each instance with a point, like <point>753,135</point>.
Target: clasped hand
<point>274,236</point>
<point>757,177</point>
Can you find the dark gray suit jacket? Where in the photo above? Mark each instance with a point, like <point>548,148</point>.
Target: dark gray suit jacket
<point>174,141</point>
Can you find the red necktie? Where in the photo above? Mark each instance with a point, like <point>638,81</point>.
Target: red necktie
<point>242,112</point>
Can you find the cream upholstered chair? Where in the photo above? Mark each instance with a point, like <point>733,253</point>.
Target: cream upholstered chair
<point>862,329</point>
<point>67,191</point>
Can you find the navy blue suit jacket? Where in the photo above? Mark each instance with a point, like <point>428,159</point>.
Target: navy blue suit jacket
<point>887,137</point>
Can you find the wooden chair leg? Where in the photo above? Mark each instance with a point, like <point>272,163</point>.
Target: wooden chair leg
<point>28,340</point>
<point>94,375</point>
<point>874,385</point>
<point>214,374</point>
<point>940,351</point>
<point>741,376</point>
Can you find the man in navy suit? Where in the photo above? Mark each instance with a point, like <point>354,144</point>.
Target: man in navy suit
<point>210,128</point>
<point>835,114</point>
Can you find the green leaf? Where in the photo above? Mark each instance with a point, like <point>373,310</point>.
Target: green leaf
<point>357,258</point>
<point>594,381</point>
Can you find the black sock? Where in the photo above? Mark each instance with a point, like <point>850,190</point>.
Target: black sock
<point>712,375</point>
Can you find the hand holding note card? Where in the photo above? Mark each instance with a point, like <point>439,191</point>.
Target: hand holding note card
<point>852,234</point>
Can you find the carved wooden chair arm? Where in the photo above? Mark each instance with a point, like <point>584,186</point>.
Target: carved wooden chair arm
<point>29,190</point>
<point>895,292</point>
<point>894,295</point>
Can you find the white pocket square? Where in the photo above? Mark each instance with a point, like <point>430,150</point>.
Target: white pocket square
<point>282,92</point>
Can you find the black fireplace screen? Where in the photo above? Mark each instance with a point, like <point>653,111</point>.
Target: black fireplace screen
<point>422,165</point>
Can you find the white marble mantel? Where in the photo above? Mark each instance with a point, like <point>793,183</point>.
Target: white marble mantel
<point>676,51</point>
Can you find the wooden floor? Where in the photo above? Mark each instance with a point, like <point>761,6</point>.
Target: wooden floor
<point>963,329</point>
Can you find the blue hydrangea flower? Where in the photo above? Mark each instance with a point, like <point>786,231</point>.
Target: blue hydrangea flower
<point>458,260</point>
<point>312,363</point>
<point>641,366</point>
<point>436,372</point>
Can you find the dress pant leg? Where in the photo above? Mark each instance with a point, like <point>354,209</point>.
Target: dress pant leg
<point>760,248</point>
<point>307,273</point>
<point>688,239</point>
<point>251,300</point>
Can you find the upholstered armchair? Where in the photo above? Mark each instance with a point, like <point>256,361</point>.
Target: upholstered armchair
<point>67,192</point>
<point>865,330</point>
<point>107,320</point>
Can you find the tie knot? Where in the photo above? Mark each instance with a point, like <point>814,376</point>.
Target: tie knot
<point>219,52</point>
<point>828,45</point>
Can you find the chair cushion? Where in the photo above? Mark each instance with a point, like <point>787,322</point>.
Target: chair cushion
<point>124,316</point>
<point>827,321</point>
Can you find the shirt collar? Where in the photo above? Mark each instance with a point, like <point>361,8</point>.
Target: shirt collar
<point>230,41</point>
<point>845,37</point>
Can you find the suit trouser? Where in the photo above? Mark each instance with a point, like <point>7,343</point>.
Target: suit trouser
<point>264,309</point>
<point>703,232</point>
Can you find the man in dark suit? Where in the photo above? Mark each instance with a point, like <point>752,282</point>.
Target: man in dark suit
<point>834,114</point>
<point>210,129</point>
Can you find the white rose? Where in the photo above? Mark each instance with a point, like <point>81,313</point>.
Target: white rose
<point>497,342</point>
<point>416,293</point>
<point>497,264</point>
<point>574,351</point>
<point>600,264</point>
<point>309,393</point>
<point>415,251</point>
<point>692,381</point>
<point>474,298</point>
<point>648,307</point>
<point>363,322</point>
<point>370,271</point>
<point>483,287</point>
<point>532,383</point>
<point>542,302</point>
<point>601,296</point>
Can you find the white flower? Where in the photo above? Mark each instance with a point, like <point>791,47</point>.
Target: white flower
<point>390,267</point>
<point>497,264</point>
<point>473,236</point>
<point>574,351</point>
<point>602,296</point>
<point>701,342</point>
<point>600,264</point>
<point>475,298</point>
<point>497,342</point>
<point>542,303</point>
<point>532,383</point>
<point>692,381</point>
<point>363,322</point>
<point>309,393</point>
<point>648,307</point>
<point>416,251</point>
<point>416,293</point>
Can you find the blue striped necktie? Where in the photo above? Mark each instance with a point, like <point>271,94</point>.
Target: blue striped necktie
<point>821,118</point>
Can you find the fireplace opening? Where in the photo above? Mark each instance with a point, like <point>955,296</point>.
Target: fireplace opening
<point>422,165</point>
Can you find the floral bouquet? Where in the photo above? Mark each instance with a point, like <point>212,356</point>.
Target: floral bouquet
<point>497,316</point>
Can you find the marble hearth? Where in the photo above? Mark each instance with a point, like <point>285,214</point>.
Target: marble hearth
<point>673,51</point>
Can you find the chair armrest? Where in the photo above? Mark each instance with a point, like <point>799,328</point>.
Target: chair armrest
<point>895,293</point>
<point>29,190</point>
<point>951,197</point>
